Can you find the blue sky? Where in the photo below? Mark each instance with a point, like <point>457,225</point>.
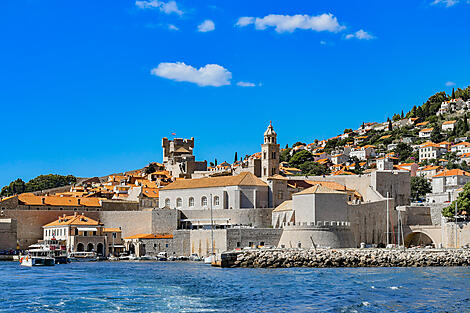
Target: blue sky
<point>90,88</point>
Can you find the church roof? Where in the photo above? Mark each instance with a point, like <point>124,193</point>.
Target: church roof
<point>316,189</point>
<point>270,131</point>
<point>243,179</point>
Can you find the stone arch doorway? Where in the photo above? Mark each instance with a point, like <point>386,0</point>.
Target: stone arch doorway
<point>418,239</point>
<point>131,248</point>
<point>80,247</point>
<point>100,249</point>
<point>90,247</point>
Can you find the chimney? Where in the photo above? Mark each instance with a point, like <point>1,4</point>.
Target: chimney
<point>43,200</point>
<point>78,201</point>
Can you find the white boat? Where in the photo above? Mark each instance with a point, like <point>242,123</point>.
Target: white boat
<point>162,256</point>
<point>37,257</point>
<point>83,256</point>
<point>209,259</point>
<point>194,257</point>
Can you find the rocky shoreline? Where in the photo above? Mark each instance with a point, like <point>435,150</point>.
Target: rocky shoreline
<point>349,258</point>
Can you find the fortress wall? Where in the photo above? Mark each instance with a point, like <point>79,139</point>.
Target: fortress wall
<point>333,237</point>
<point>255,217</point>
<point>30,222</point>
<point>8,234</point>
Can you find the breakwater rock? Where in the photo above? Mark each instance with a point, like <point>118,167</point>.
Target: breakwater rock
<point>277,258</point>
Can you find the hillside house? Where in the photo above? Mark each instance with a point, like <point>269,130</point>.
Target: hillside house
<point>448,125</point>
<point>425,133</point>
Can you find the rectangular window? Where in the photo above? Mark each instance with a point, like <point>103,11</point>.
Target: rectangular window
<point>238,244</point>
<point>166,245</point>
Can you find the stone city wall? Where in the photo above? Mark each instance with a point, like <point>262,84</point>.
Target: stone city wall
<point>7,234</point>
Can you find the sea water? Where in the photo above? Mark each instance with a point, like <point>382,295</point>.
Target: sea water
<point>196,287</point>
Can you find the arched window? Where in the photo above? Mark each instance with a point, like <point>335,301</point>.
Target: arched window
<point>191,202</point>
<point>204,201</point>
<point>216,200</point>
<point>167,202</point>
<point>179,203</point>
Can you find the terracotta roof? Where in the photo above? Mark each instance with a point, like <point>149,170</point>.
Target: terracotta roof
<point>318,189</point>
<point>422,124</point>
<point>79,219</point>
<point>430,168</point>
<point>385,137</point>
<point>330,184</point>
<point>284,206</point>
<point>149,236</point>
<point>243,179</point>
<point>112,230</point>
<point>463,143</point>
<point>426,130</point>
<point>448,122</point>
<point>150,192</point>
<point>454,172</point>
<point>30,199</point>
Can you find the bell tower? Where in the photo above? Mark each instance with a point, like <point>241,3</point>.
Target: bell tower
<point>269,154</point>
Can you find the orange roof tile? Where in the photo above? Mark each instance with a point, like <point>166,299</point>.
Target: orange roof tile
<point>454,172</point>
<point>243,179</point>
<point>449,122</point>
<point>79,219</point>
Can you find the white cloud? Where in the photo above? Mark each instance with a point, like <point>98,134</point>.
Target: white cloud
<point>172,27</point>
<point>289,23</point>
<point>209,75</point>
<point>323,42</point>
<point>361,35</point>
<point>206,26</point>
<point>244,21</point>
<point>246,84</point>
<point>165,7</point>
<point>447,3</point>
<point>448,84</point>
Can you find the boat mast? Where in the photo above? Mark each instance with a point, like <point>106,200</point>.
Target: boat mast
<point>212,229</point>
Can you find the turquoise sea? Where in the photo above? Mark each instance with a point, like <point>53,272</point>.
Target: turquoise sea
<point>194,287</point>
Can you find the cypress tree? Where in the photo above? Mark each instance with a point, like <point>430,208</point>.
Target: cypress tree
<point>402,115</point>
<point>453,93</point>
<point>236,157</point>
<point>465,123</point>
<point>390,127</point>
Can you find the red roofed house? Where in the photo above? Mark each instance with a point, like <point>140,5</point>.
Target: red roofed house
<point>446,183</point>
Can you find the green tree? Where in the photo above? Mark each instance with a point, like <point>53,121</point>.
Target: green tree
<point>463,203</point>
<point>236,157</point>
<point>313,168</point>
<point>420,186</point>
<point>436,135</point>
<point>453,93</point>
<point>284,155</point>
<point>298,143</point>
<point>300,158</point>
<point>403,151</point>
<point>390,126</point>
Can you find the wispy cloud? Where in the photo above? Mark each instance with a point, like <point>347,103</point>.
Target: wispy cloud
<point>165,7</point>
<point>361,35</point>
<point>208,75</point>
<point>206,26</point>
<point>322,42</point>
<point>447,3</point>
<point>449,84</point>
<point>246,84</point>
<point>172,27</point>
<point>289,23</point>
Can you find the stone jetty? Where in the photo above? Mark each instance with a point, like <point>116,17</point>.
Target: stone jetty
<point>285,258</point>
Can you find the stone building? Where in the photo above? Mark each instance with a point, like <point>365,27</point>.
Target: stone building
<point>178,157</point>
<point>79,232</point>
<point>270,154</point>
<point>150,244</point>
<point>8,234</point>
<point>243,191</point>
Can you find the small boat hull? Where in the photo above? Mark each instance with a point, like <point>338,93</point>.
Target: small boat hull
<point>36,261</point>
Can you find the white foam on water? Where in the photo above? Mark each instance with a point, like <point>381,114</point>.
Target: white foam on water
<point>365,303</point>
<point>394,288</point>
<point>372,287</point>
